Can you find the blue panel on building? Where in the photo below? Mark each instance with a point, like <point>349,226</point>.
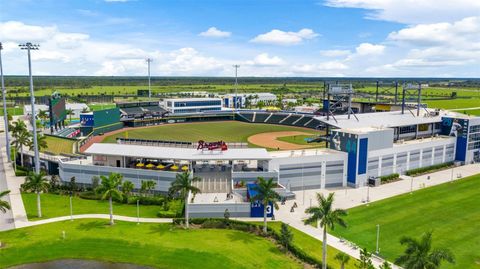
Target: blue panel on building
<point>256,207</point>
<point>461,149</point>
<point>86,120</point>
<point>226,102</point>
<point>326,104</point>
<point>362,156</point>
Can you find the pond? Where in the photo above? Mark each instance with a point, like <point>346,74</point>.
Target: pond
<point>78,264</point>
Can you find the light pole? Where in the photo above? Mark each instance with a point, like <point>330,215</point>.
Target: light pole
<point>236,66</point>
<point>411,185</point>
<point>149,60</point>
<point>378,237</point>
<point>451,177</point>
<point>5,114</point>
<point>29,46</point>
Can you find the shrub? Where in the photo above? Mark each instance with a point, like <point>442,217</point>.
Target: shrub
<point>427,169</point>
<point>388,178</point>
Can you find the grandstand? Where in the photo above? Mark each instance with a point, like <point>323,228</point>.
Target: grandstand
<point>138,110</point>
<point>291,119</point>
<point>67,132</point>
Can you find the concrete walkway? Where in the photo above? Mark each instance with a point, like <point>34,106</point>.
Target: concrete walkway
<point>99,216</point>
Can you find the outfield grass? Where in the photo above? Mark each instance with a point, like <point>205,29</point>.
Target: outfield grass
<point>230,131</point>
<point>300,140</point>
<point>454,103</point>
<point>156,245</point>
<point>313,247</point>
<point>54,205</point>
<point>59,145</point>
<point>451,210</point>
<point>95,107</point>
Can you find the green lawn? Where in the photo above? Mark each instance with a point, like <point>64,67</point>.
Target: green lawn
<point>230,131</point>
<point>451,210</point>
<point>59,145</point>
<point>95,107</point>
<point>13,111</point>
<point>156,245</point>
<point>312,246</point>
<point>54,205</point>
<point>301,140</point>
<point>454,103</point>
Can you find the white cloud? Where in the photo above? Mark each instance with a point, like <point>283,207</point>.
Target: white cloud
<point>264,59</point>
<point>413,11</point>
<point>335,53</point>
<point>463,32</point>
<point>214,32</point>
<point>20,32</point>
<point>278,37</point>
<point>369,49</point>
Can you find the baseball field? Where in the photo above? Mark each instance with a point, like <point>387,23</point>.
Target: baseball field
<point>257,135</point>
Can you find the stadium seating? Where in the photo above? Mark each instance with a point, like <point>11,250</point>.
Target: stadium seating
<point>248,116</point>
<point>260,117</point>
<point>276,118</point>
<point>67,132</point>
<point>301,122</point>
<point>291,119</point>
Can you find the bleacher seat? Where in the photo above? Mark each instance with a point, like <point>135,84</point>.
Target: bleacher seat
<point>276,118</point>
<point>260,117</point>
<point>248,116</point>
<point>290,120</point>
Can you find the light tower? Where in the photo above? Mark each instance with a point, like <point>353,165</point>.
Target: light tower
<point>149,60</point>
<point>236,66</point>
<point>5,115</point>
<point>29,46</point>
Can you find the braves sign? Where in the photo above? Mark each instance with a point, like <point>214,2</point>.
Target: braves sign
<point>219,145</point>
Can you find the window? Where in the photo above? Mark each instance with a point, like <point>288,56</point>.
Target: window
<point>423,127</point>
<point>407,129</point>
<point>475,129</point>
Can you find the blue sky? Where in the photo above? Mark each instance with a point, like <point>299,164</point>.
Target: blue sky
<point>267,38</point>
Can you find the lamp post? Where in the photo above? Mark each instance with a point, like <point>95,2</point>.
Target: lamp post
<point>29,46</point>
<point>71,207</point>
<point>5,114</point>
<point>236,66</point>
<point>378,237</point>
<point>138,211</point>
<point>149,60</point>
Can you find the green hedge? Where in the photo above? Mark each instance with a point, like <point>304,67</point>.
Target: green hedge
<point>388,178</point>
<point>424,170</point>
<point>216,223</point>
<point>21,171</point>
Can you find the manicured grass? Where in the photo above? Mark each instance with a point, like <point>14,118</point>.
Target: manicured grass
<point>451,210</point>
<point>59,145</point>
<point>54,205</point>
<point>229,131</point>
<point>13,111</point>
<point>156,245</point>
<point>95,107</point>
<point>454,103</point>
<point>301,140</point>
<point>312,246</point>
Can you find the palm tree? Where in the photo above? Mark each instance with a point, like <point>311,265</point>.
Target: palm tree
<point>109,189</point>
<point>20,137</point>
<point>342,258</point>
<point>127,188</point>
<point>69,113</point>
<point>420,255</point>
<point>4,205</point>
<point>183,186</point>
<point>36,183</point>
<point>266,195</point>
<point>42,114</point>
<point>41,142</point>
<point>327,217</point>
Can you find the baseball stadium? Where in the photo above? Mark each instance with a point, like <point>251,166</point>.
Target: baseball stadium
<point>345,144</point>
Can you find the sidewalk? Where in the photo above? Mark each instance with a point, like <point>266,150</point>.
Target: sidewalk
<point>99,216</point>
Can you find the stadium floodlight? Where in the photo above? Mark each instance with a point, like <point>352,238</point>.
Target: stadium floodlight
<point>28,47</point>
<point>236,66</point>
<point>5,115</point>
<point>149,60</point>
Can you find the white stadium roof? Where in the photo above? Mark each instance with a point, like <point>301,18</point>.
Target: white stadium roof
<point>168,153</point>
<point>383,119</point>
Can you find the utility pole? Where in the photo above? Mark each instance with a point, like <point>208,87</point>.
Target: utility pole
<point>29,46</point>
<point>378,237</point>
<point>149,60</point>
<point>5,114</point>
<point>236,66</point>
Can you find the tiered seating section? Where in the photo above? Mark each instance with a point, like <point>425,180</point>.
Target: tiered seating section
<point>291,119</point>
<point>141,110</point>
<point>68,132</point>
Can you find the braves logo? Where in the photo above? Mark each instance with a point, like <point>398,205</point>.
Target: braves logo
<point>221,145</point>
